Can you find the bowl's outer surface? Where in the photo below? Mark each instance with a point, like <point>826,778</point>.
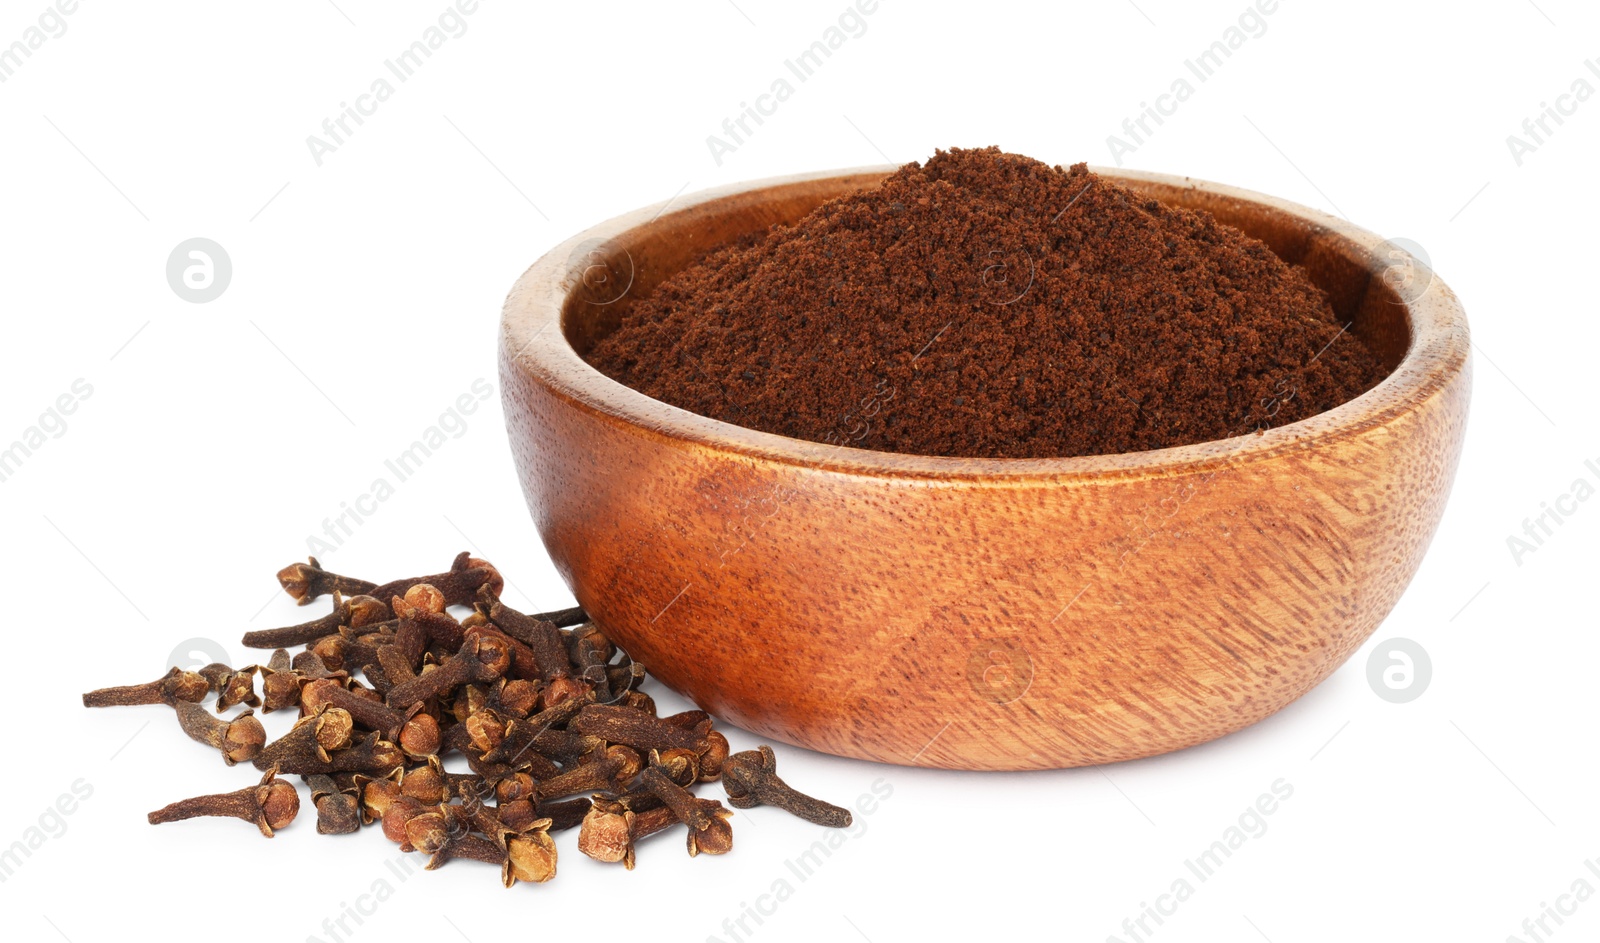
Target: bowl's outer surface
<point>966,613</point>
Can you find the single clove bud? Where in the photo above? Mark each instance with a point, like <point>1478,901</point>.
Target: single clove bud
<point>272,804</point>
<point>481,658</point>
<point>530,857</point>
<point>542,638</point>
<point>313,746</point>
<point>564,814</point>
<point>637,729</point>
<point>239,739</point>
<point>460,585</point>
<point>338,812</point>
<point>307,581</point>
<point>231,687</point>
<point>530,853</point>
<point>280,683</point>
<point>416,732</point>
<point>355,612</point>
<point>600,776</point>
<point>376,793</point>
<point>645,732</point>
<point>524,666</point>
<point>590,655</point>
<point>397,815</point>
<point>751,778</point>
<point>426,784</point>
<point>562,618</point>
<point>486,728</point>
<point>610,830</point>
<point>424,623</point>
<point>429,830</point>
<point>623,680</point>
<point>517,698</point>
<point>176,685</point>
<point>709,830</point>
<point>715,749</point>
<point>563,689</point>
<point>589,635</point>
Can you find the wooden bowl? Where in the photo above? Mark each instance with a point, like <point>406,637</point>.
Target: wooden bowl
<point>981,613</point>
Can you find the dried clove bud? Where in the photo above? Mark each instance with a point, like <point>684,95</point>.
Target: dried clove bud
<point>303,749</point>
<point>610,830</point>
<point>486,728</point>
<point>637,729</point>
<point>623,679</point>
<point>176,685</point>
<point>307,581</point>
<point>280,683</point>
<point>482,658</point>
<point>565,814</point>
<point>239,739</point>
<point>563,690</point>
<point>562,618</point>
<point>424,623</point>
<point>530,853</point>
<point>428,831</point>
<point>338,812</point>
<point>751,778</point>
<point>397,814</point>
<point>376,793</point>
<point>643,731</point>
<point>459,586</point>
<point>707,819</point>
<point>355,612</point>
<point>599,776</point>
<point>517,698</point>
<point>272,804</point>
<point>426,784</point>
<point>542,638</point>
<point>514,787</point>
<point>416,732</point>
<point>231,687</point>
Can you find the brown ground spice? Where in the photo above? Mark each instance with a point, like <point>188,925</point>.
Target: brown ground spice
<point>987,304</point>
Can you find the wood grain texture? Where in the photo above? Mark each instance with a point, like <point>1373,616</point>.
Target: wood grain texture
<point>979,613</point>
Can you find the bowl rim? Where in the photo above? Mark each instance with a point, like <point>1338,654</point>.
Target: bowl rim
<point>1439,349</point>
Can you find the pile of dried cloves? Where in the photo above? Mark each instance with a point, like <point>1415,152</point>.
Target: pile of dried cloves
<point>544,709</point>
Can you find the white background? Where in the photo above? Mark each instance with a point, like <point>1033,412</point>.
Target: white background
<point>364,300</point>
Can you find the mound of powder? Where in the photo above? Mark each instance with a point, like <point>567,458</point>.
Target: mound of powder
<point>987,304</point>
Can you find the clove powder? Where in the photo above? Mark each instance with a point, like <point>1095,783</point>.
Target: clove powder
<point>986,304</point>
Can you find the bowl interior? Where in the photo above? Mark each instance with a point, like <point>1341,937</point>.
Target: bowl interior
<point>611,275</point>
